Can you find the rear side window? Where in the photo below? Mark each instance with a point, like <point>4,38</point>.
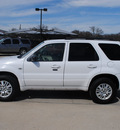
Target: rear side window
<point>15,41</point>
<point>82,52</point>
<point>112,51</point>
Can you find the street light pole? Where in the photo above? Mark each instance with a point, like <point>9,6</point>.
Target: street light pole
<point>37,9</point>
<point>41,23</point>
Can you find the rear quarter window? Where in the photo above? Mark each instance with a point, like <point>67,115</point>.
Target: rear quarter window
<point>112,51</point>
<point>25,41</point>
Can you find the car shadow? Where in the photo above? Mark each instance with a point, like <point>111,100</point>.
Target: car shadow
<point>42,94</point>
<point>53,95</point>
<point>7,54</point>
<point>118,95</point>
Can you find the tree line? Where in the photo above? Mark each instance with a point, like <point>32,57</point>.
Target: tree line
<point>96,33</point>
<point>93,33</point>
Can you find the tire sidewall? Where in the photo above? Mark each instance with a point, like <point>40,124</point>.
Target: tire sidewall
<point>21,50</point>
<point>96,83</point>
<point>14,85</point>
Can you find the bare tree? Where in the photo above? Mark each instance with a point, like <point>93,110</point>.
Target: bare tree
<point>96,31</point>
<point>93,29</point>
<point>99,31</point>
<point>13,29</point>
<point>76,32</point>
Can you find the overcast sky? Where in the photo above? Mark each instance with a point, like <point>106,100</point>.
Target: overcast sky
<point>64,14</point>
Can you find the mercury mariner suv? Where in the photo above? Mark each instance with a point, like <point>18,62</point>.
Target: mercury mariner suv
<point>88,65</point>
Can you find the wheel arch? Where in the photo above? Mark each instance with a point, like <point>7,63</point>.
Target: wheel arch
<point>23,48</point>
<point>10,74</point>
<point>109,76</point>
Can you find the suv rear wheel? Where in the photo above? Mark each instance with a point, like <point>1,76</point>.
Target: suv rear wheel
<point>103,90</point>
<point>8,88</point>
<point>22,51</point>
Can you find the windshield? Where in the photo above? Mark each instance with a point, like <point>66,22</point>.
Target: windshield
<point>1,40</point>
<point>21,56</point>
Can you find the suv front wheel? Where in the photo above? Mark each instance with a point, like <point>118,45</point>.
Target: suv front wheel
<point>9,88</point>
<point>103,90</point>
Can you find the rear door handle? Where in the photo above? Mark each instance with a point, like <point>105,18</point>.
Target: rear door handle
<point>92,66</point>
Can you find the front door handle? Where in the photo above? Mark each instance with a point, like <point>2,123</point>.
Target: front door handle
<point>55,67</point>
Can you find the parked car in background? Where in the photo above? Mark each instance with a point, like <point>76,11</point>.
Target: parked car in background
<point>15,45</point>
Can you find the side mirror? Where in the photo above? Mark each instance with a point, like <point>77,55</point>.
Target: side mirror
<point>32,58</point>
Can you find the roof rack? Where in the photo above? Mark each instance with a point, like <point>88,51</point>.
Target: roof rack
<point>70,38</point>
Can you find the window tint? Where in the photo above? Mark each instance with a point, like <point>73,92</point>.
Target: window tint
<point>7,41</point>
<point>51,52</point>
<point>82,52</point>
<point>112,51</point>
<point>15,41</point>
<point>24,41</point>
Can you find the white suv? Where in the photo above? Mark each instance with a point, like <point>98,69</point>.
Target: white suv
<point>88,65</point>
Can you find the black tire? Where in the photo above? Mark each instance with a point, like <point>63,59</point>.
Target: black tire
<point>9,88</point>
<point>22,51</point>
<point>103,91</point>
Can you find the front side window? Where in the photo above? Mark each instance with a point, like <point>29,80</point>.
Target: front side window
<point>112,51</point>
<point>82,52</point>
<point>1,40</point>
<point>7,41</point>
<point>50,52</point>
